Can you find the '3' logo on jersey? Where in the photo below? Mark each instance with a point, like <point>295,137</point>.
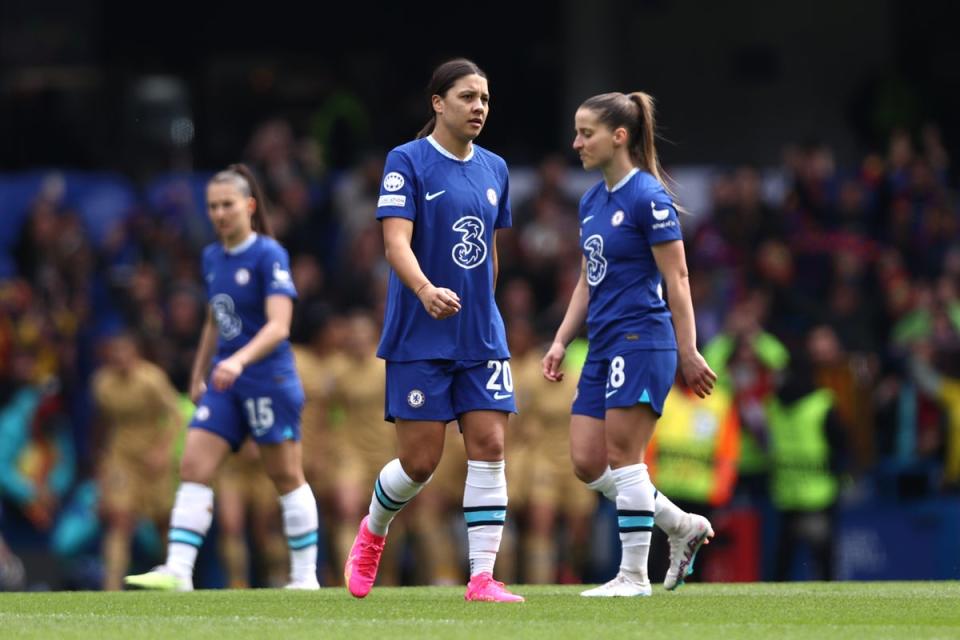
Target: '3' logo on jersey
<point>226,316</point>
<point>471,251</point>
<point>596,263</point>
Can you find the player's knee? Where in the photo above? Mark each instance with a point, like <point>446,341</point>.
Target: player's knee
<point>419,467</point>
<point>197,469</point>
<point>587,467</point>
<point>488,447</point>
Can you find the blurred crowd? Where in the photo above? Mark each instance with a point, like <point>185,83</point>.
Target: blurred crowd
<point>847,281</point>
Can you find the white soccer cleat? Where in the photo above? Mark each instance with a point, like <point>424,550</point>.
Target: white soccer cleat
<point>303,585</point>
<point>620,587</point>
<point>160,578</point>
<point>684,546</point>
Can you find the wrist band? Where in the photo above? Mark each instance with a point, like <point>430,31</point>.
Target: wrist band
<point>421,288</point>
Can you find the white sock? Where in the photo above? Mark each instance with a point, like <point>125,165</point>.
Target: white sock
<point>391,492</point>
<point>300,523</point>
<point>189,522</point>
<point>635,505</point>
<point>668,516</point>
<point>485,510</point>
<point>605,485</point>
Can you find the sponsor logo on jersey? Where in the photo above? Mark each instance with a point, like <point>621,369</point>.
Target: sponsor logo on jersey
<point>281,277</point>
<point>430,196</point>
<point>659,214</point>
<point>242,277</point>
<point>492,196</point>
<point>392,201</point>
<point>471,251</point>
<point>416,398</point>
<point>203,413</point>
<point>617,218</point>
<point>393,181</point>
<point>224,312</point>
<point>499,395</point>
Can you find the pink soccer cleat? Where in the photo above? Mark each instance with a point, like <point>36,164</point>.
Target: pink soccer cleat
<point>483,588</point>
<point>361,569</point>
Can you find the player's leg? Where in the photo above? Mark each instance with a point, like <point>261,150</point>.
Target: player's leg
<point>628,430</point>
<point>418,400</point>
<point>282,462</point>
<point>117,503</point>
<point>485,501</point>
<point>192,513</point>
<point>419,447</point>
<point>482,399</point>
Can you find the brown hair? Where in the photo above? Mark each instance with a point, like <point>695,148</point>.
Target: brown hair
<point>634,112</point>
<point>241,175</point>
<point>442,79</point>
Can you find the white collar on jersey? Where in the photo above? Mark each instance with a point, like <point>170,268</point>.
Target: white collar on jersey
<point>243,246</point>
<point>624,180</point>
<point>444,152</point>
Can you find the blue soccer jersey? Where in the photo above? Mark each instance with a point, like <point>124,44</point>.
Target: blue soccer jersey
<point>618,227</point>
<point>239,280</point>
<point>455,205</point>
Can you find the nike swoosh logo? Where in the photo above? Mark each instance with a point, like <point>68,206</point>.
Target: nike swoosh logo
<point>501,396</point>
<point>499,514</point>
<point>659,214</point>
<point>431,196</point>
<point>610,393</point>
<point>587,219</point>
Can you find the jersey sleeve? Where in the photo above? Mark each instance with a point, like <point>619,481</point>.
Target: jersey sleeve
<point>274,272</point>
<point>656,215</point>
<point>398,189</point>
<point>504,215</point>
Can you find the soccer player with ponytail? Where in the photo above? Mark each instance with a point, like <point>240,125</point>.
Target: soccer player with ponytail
<point>254,390</point>
<point>632,246</point>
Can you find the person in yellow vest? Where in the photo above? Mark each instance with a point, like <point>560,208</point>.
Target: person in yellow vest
<point>246,499</point>
<point>139,413</point>
<point>748,360</point>
<point>549,492</point>
<point>805,448</point>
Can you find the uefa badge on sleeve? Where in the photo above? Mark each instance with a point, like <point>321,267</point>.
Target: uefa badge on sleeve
<point>416,398</point>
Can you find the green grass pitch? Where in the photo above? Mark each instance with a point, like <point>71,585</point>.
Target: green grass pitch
<point>901,611</point>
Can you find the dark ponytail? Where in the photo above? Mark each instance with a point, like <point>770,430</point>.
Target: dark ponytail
<point>242,176</point>
<point>442,79</point>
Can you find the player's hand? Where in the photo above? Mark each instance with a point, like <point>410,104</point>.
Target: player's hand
<point>552,361</point>
<point>697,373</point>
<point>439,302</point>
<point>226,373</point>
<point>198,387</point>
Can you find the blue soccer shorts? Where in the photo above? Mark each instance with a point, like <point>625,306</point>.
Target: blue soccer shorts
<point>442,390</point>
<point>637,376</point>
<point>268,413</point>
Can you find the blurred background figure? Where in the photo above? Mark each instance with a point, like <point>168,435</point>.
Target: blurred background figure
<point>807,448</point>
<point>248,515</point>
<point>139,417</point>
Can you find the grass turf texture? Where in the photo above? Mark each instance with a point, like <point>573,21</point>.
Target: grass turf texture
<point>781,611</point>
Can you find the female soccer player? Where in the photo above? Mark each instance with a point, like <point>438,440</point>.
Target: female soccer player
<point>630,235</point>
<point>254,387</point>
<point>442,200</point>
